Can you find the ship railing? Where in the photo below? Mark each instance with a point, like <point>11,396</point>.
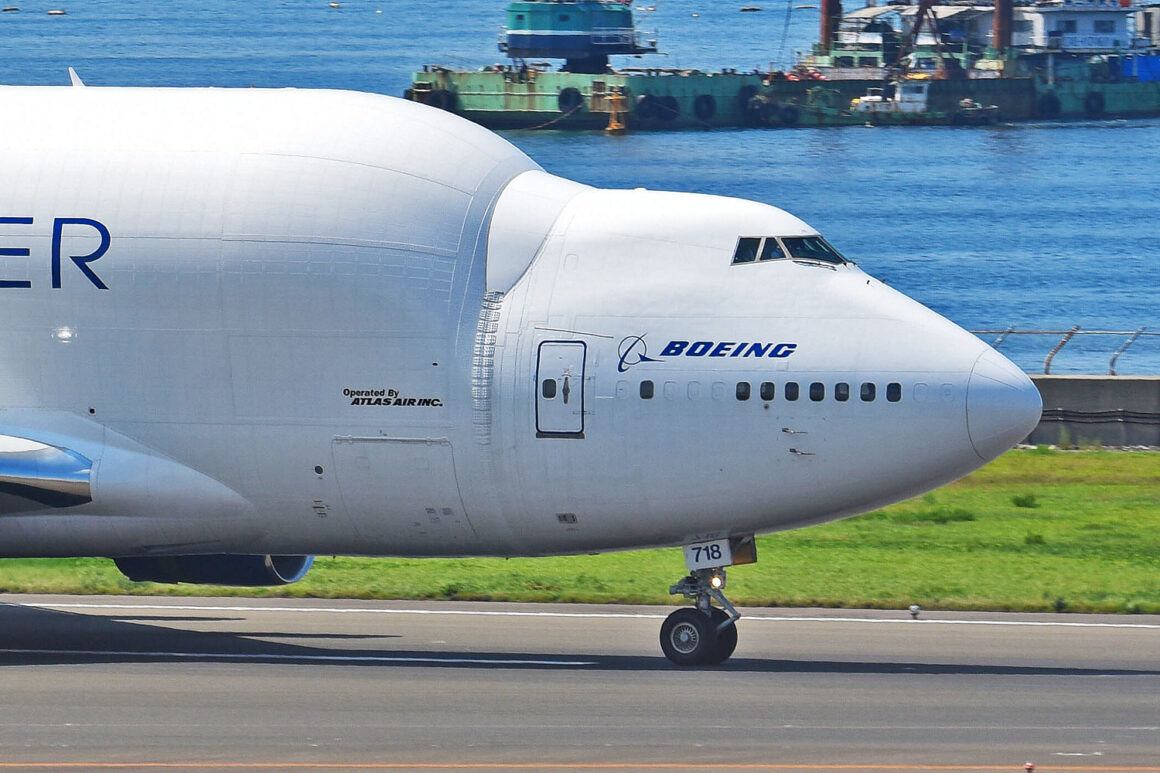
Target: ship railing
<point>860,38</point>
<point>1130,337</point>
<point>1074,42</point>
<point>612,36</point>
<point>622,36</point>
<point>1082,4</point>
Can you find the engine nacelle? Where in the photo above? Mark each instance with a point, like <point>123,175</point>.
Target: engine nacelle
<point>216,569</point>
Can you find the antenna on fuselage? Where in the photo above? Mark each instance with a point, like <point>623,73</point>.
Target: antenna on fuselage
<point>74,79</point>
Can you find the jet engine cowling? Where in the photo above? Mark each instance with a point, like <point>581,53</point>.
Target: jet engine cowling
<point>238,570</point>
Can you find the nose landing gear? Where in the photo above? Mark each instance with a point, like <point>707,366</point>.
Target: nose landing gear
<point>705,634</point>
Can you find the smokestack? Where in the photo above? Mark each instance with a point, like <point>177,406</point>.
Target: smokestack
<point>831,15</point>
<point>1004,19</point>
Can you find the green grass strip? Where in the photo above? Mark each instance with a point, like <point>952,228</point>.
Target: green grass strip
<point>1036,530</point>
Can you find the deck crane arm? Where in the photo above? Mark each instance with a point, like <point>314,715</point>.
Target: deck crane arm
<point>926,14</point>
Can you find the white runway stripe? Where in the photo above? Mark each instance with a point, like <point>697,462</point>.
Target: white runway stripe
<point>297,658</point>
<point>609,615</point>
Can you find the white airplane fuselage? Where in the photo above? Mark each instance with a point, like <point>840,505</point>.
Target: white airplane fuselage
<point>295,322</point>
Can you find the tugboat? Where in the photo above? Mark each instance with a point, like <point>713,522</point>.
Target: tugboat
<point>908,105</point>
<point>903,103</point>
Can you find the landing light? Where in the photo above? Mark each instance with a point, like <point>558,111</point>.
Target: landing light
<point>718,580</point>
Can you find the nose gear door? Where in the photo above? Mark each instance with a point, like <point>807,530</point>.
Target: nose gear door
<point>560,389</point>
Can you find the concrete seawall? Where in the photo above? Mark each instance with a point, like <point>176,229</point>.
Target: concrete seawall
<point>1104,410</point>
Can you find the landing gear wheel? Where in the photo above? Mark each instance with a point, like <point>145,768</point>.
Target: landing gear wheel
<point>707,633</point>
<point>689,638</point>
<point>726,637</point>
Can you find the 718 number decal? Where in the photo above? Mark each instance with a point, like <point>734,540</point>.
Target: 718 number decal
<point>708,555</point>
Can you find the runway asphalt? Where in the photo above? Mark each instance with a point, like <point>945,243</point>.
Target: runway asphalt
<point>102,683</point>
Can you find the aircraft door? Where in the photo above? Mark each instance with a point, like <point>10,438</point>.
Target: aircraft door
<point>560,389</point>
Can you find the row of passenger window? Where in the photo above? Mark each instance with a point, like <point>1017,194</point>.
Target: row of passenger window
<point>791,391</point>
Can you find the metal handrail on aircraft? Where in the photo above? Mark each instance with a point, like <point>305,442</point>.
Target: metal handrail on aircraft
<point>1067,335</point>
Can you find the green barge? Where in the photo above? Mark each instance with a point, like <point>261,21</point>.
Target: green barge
<point>652,99</point>
<point>1027,67</point>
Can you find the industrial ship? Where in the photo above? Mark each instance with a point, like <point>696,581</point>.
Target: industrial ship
<point>981,62</point>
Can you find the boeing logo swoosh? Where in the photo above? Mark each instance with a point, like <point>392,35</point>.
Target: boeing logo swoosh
<point>633,351</point>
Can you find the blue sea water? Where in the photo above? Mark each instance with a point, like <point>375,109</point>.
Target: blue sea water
<point>1036,226</point>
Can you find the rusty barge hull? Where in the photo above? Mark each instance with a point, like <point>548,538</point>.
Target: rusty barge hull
<point>654,99</point>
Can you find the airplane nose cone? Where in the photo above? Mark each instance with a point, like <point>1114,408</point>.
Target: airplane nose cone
<point>1003,406</point>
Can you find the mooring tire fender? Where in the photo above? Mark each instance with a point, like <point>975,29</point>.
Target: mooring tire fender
<point>442,99</point>
<point>744,94</point>
<point>1048,105</point>
<point>646,107</point>
<point>1094,104</point>
<point>668,108</point>
<point>570,100</point>
<point>704,106</point>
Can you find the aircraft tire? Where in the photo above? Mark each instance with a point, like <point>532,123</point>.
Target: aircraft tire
<point>688,637</point>
<point>726,638</point>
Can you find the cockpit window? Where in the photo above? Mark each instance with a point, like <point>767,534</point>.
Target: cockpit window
<point>771,250</point>
<point>746,249</point>
<point>811,248</point>
<point>753,248</point>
